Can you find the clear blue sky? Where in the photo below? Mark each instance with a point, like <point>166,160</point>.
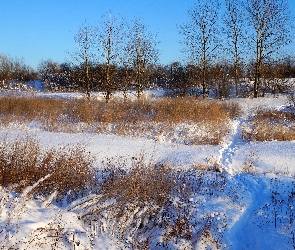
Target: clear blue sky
<point>38,30</point>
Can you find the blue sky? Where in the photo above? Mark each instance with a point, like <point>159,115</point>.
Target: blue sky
<point>38,30</point>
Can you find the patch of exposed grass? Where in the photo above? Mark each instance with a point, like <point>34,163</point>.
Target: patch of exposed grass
<point>23,163</point>
<point>269,125</point>
<point>148,118</point>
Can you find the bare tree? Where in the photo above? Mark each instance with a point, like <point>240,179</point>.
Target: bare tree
<point>46,67</point>
<point>124,78</point>
<point>201,36</point>
<point>109,44</point>
<point>142,51</point>
<point>274,78</point>
<point>270,22</point>
<point>5,70</point>
<point>126,70</point>
<point>57,76</point>
<point>220,79</point>
<point>23,72</point>
<point>50,74</point>
<point>13,72</point>
<point>84,40</point>
<point>234,24</point>
<point>178,79</point>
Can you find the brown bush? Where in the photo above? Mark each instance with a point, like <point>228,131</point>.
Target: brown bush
<point>18,161</point>
<point>23,163</point>
<point>132,197</point>
<point>142,184</point>
<point>268,125</point>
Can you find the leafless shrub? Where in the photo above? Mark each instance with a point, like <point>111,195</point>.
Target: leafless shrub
<point>132,199</point>
<point>136,198</point>
<point>141,244</point>
<point>249,163</point>
<point>181,227</point>
<point>207,240</point>
<point>142,184</point>
<point>211,165</point>
<point>70,168</point>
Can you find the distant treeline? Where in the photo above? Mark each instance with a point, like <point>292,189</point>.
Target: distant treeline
<point>177,78</point>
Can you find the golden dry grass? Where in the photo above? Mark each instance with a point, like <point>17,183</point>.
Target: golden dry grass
<point>132,118</point>
<point>142,184</point>
<point>23,163</point>
<point>269,125</point>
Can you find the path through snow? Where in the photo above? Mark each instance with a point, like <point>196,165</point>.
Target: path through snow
<point>228,149</point>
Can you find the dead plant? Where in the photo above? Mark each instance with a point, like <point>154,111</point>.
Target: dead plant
<point>23,163</point>
<point>142,184</point>
<point>268,125</point>
<point>132,118</point>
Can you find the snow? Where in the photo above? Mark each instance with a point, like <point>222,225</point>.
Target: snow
<point>112,146</point>
<point>249,211</point>
<point>268,157</point>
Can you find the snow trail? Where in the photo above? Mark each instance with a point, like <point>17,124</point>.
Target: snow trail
<point>227,152</point>
<point>241,233</point>
<point>255,229</point>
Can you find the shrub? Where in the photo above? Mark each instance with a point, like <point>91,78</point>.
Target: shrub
<point>23,163</point>
<point>132,198</point>
<point>268,125</point>
<point>142,184</point>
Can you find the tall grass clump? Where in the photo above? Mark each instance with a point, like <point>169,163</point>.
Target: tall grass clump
<point>143,184</point>
<point>132,198</point>
<point>148,205</point>
<point>23,163</point>
<point>268,125</point>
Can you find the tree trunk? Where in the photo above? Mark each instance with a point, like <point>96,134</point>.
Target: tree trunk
<point>204,73</point>
<point>87,77</point>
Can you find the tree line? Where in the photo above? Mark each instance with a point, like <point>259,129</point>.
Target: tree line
<point>14,70</point>
<point>237,50</point>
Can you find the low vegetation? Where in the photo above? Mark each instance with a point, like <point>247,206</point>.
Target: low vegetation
<point>23,163</point>
<point>269,125</point>
<point>135,200</point>
<point>128,201</point>
<point>185,120</point>
<point>142,204</point>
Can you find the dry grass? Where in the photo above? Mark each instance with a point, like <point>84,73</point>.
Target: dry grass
<point>23,163</point>
<point>136,199</point>
<point>250,162</point>
<point>268,125</point>
<point>148,118</point>
<point>132,197</point>
<point>142,184</point>
<point>211,165</point>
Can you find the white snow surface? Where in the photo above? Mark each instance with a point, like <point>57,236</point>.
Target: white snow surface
<point>247,204</point>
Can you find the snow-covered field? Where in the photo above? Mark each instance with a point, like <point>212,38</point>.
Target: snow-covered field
<point>248,205</point>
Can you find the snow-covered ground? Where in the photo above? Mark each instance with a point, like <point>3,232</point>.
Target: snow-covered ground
<point>248,211</point>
